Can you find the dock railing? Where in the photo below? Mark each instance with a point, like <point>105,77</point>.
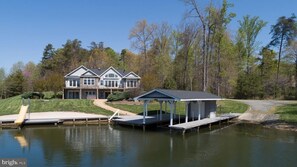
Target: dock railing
<point>115,114</point>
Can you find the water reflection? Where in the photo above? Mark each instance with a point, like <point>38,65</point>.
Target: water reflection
<point>237,145</point>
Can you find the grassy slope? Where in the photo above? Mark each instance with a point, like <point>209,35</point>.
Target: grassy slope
<point>227,106</point>
<point>12,106</point>
<point>288,113</point>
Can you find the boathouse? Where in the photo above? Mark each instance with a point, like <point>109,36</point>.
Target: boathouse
<point>198,105</point>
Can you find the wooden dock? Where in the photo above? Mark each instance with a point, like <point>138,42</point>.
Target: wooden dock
<point>9,123</point>
<point>203,122</point>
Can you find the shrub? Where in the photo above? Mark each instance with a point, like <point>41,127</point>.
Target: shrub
<point>49,95</point>
<point>117,96</point>
<point>33,95</point>
<point>59,95</point>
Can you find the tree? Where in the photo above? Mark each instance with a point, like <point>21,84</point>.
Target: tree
<point>195,12</point>
<point>18,66</point>
<point>142,37</point>
<point>2,83</point>
<point>247,33</point>
<point>292,56</point>
<point>48,52</point>
<point>267,67</point>
<point>284,31</point>
<point>47,58</point>
<point>31,73</point>
<point>14,83</point>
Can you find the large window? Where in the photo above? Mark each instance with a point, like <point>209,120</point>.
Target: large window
<point>131,84</point>
<point>112,84</point>
<point>73,83</point>
<point>89,81</point>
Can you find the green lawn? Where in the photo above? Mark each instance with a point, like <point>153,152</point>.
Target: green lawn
<point>12,106</point>
<point>288,113</point>
<point>225,106</point>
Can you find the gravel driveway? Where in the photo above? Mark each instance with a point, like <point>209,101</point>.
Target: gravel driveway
<point>259,111</point>
<point>265,105</point>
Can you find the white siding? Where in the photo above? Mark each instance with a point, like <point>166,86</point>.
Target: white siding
<point>79,72</point>
<point>110,79</point>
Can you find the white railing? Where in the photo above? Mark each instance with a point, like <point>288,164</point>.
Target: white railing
<point>116,113</point>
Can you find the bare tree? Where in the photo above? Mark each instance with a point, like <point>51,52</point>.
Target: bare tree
<point>142,37</point>
<point>195,12</point>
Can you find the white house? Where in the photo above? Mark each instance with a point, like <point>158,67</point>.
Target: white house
<point>84,83</point>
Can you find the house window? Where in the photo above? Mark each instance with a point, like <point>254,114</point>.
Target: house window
<point>73,83</point>
<point>111,75</point>
<point>89,81</point>
<point>101,82</point>
<point>131,83</point>
<point>116,84</point>
<point>135,84</point>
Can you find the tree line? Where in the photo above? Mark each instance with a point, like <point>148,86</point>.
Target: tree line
<point>198,54</point>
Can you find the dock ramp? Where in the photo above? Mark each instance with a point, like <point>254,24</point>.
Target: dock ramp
<point>22,115</point>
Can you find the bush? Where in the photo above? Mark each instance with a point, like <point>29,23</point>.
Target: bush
<point>49,95</point>
<point>117,96</point>
<point>33,95</point>
<point>59,95</point>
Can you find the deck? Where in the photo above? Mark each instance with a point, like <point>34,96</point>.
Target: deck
<point>203,122</point>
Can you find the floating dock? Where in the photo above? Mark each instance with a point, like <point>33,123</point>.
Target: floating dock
<point>53,118</point>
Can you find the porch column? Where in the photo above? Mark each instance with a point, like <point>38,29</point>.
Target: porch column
<point>80,92</point>
<point>171,112</point>
<point>97,96</point>
<point>144,111</point>
<point>186,107</point>
<point>199,109</point>
<point>161,109</point>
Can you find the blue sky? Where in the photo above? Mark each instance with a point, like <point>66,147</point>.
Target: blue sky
<point>26,26</point>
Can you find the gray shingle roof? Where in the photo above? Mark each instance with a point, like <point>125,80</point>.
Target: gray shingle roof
<point>180,95</point>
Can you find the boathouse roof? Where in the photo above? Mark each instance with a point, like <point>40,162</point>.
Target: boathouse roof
<point>177,95</point>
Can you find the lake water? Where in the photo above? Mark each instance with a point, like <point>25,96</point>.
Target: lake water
<point>234,145</point>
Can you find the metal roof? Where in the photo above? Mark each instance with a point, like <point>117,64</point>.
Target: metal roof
<point>177,95</point>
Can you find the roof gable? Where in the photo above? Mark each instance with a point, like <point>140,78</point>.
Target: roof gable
<point>110,68</point>
<point>77,72</point>
<point>178,95</point>
<point>131,75</point>
<point>89,73</point>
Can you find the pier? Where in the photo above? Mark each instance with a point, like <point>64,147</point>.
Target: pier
<point>203,122</point>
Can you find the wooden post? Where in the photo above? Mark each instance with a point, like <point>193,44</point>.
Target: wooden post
<point>144,111</point>
<point>199,109</point>
<point>161,109</point>
<point>186,107</point>
<point>171,112</point>
<point>174,109</point>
